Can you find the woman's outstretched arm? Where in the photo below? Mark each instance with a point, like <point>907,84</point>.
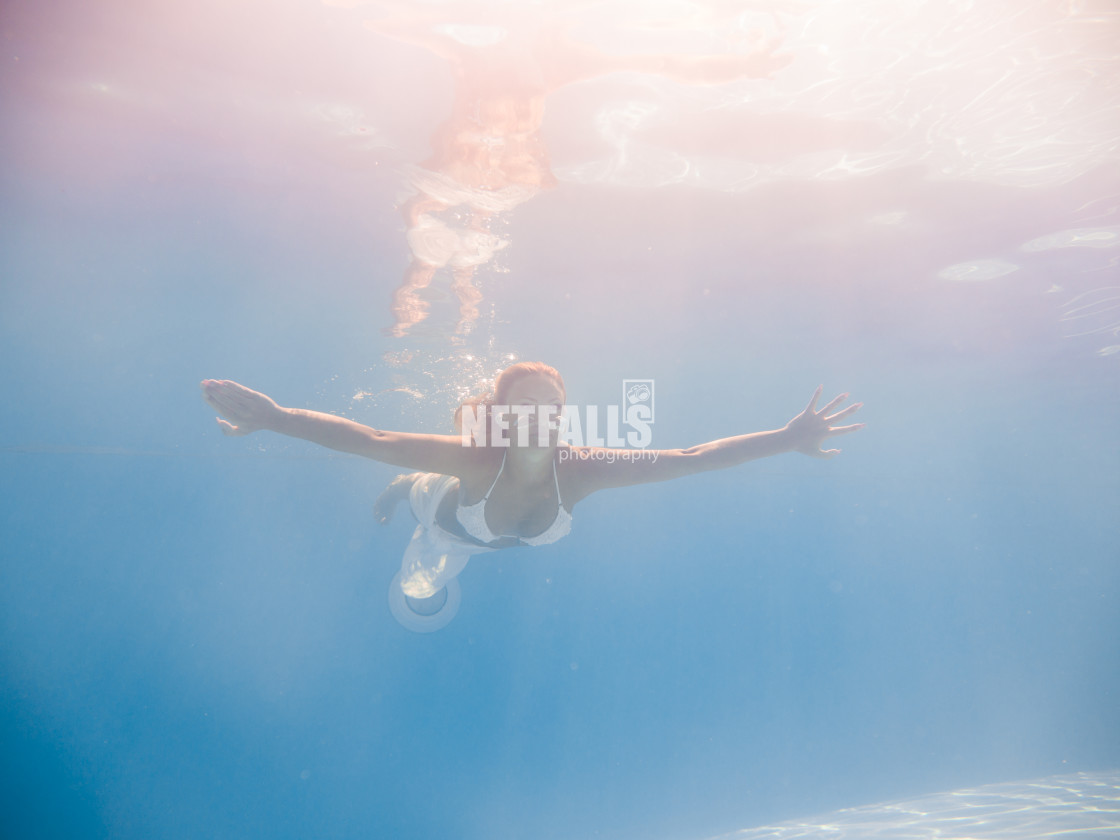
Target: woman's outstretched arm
<point>805,433</point>
<point>244,411</point>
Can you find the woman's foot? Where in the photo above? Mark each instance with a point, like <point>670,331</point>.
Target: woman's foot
<point>391,496</point>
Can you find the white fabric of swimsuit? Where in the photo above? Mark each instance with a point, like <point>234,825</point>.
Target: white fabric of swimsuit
<point>434,556</point>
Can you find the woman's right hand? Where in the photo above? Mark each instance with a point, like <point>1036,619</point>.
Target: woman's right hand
<point>245,410</point>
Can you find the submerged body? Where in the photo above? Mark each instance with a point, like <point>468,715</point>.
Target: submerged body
<point>470,499</point>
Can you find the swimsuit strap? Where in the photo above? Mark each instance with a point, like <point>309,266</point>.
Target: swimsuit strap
<point>556,478</point>
<point>494,483</point>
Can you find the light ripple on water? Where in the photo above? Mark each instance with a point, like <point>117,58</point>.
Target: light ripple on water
<point>1085,806</point>
<point>1021,93</point>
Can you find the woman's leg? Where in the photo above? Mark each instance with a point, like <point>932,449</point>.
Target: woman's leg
<point>392,495</point>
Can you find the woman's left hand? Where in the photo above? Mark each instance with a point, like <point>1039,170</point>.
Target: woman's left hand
<point>811,427</point>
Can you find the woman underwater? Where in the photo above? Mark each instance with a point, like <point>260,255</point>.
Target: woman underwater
<point>518,491</point>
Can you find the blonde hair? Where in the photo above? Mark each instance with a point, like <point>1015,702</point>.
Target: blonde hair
<point>502,383</point>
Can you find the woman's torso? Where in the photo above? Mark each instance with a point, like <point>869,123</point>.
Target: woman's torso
<point>499,511</point>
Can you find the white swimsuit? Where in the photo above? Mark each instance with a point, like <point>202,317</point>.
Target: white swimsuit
<point>435,557</point>
<point>473,517</point>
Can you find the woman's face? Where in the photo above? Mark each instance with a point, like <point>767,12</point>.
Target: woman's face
<point>534,392</point>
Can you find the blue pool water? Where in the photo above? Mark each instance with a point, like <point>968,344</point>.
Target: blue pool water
<point>918,204</point>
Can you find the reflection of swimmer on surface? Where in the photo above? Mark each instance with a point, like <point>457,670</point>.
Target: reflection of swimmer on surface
<point>471,499</point>
<point>489,156</point>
